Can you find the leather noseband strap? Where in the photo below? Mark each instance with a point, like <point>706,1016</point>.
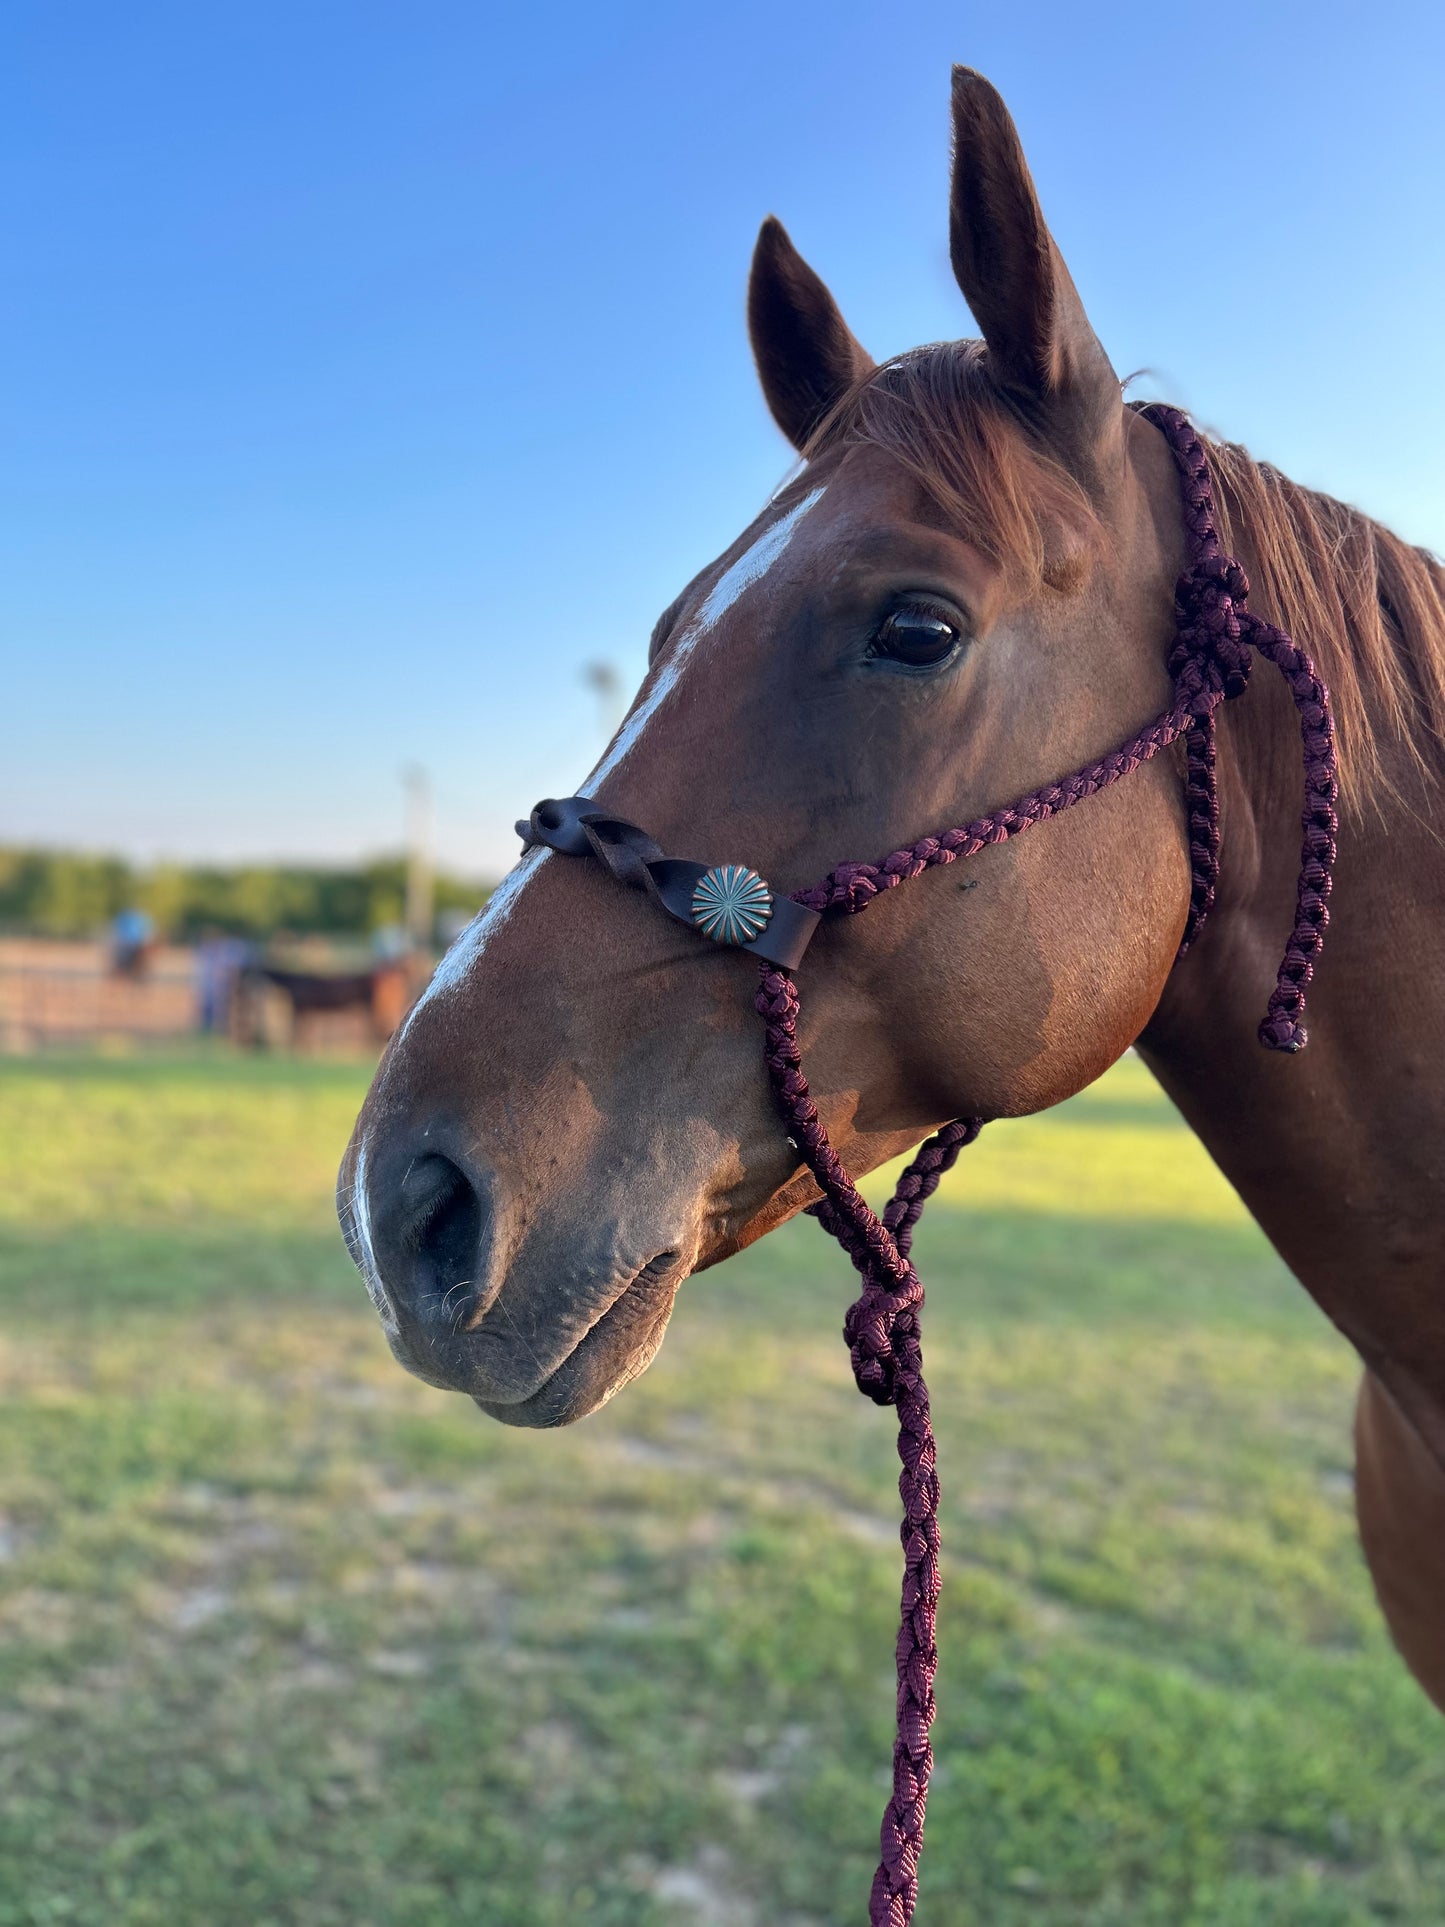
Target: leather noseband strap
<point>725,901</point>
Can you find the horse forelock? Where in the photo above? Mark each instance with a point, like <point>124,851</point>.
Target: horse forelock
<point>938,412</point>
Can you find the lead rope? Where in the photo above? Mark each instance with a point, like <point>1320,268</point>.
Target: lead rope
<point>1210,664</point>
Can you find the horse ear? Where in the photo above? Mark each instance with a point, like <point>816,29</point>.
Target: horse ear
<point>805,354</point>
<point>1013,276</point>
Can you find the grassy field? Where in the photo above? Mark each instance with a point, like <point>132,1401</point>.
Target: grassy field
<point>286,1637</point>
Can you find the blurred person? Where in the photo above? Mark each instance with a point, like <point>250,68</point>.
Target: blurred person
<point>132,940</point>
<point>220,960</point>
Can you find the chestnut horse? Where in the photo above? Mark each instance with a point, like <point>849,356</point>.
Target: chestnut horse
<point>965,592</point>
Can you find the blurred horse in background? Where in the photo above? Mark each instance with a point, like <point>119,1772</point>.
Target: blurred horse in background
<point>275,1004</point>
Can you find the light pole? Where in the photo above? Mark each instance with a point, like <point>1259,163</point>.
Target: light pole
<point>420,915</point>
<point>603,680</point>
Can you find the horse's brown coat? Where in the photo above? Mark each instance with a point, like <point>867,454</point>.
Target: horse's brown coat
<point>579,1117</point>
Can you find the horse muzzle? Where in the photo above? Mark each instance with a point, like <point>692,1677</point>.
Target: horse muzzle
<point>470,1303</point>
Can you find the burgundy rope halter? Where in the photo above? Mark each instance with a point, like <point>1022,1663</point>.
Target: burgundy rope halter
<point>1209,664</point>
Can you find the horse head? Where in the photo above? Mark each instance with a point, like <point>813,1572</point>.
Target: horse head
<point>965,592</point>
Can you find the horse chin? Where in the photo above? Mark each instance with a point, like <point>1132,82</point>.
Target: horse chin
<point>617,1349</point>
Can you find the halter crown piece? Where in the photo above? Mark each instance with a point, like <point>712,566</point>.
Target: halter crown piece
<point>1209,664</point>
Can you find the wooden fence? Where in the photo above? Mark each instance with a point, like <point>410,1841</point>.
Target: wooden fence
<point>57,992</point>
<point>54,992</point>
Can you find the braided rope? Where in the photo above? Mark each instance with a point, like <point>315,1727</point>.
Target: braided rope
<point>1209,665</point>
<point>1283,1027</point>
<point>1215,635</point>
<point>885,1342</point>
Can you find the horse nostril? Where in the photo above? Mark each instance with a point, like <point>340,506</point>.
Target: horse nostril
<point>440,1232</point>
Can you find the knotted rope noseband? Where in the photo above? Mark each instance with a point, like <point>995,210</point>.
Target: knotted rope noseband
<point>1209,664</point>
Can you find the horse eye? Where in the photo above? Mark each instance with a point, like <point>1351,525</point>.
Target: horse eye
<point>916,637</point>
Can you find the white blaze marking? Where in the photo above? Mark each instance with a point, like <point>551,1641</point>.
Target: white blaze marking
<point>450,972</point>
<point>361,1219</point>
<point>794,474</point>
<point>454,966</point>
<point>749,568</point>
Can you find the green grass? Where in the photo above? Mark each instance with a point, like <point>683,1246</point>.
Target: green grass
<point>286,1637</point>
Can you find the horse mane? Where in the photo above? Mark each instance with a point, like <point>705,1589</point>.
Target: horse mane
<point>1369,607</point>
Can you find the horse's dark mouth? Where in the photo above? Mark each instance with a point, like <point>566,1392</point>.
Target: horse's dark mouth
<point>614,1351</point>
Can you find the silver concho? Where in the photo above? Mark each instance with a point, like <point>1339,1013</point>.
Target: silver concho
<point>731,904</point>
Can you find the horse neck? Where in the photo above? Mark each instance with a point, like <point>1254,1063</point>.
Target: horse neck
<point>1339,1151</point>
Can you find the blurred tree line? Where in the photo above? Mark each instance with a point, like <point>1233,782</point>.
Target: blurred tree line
<point>54,893</point>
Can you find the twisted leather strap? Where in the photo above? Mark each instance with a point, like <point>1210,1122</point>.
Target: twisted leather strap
<point>576,826</point>
<point>1209,664</point>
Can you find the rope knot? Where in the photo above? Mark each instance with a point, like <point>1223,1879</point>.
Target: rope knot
<point>1210,658</point>
<point>1211,579</point>
<point>876,1318</point>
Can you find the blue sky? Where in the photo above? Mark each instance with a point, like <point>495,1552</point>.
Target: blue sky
<point>371,368</point>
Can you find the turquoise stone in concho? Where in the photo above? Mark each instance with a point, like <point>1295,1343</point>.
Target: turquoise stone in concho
<point>731,904</point>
